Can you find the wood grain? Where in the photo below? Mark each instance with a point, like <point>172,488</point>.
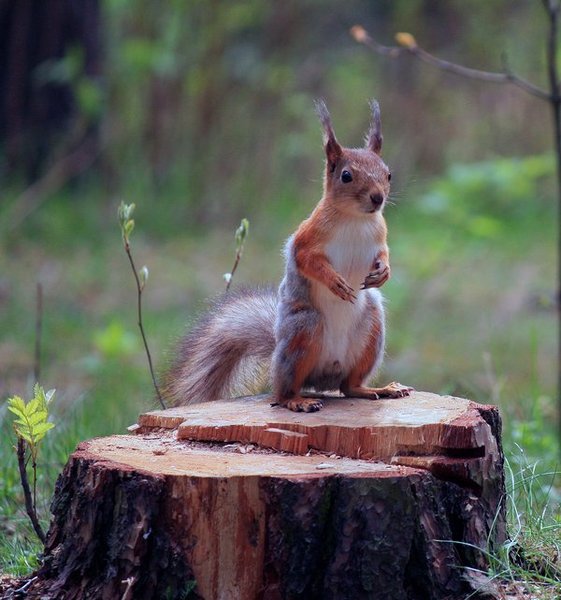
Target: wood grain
<point>385,499</point>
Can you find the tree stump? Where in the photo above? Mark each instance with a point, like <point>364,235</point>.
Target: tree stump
<point>238,499</point>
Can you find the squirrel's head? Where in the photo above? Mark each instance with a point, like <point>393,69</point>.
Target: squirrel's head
<point>356,180</point>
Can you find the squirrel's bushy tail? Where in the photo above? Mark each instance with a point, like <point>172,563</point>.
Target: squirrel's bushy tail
<point>227,351</point>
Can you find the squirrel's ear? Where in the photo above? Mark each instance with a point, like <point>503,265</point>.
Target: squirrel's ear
<point>374,136</point>
<point>333,150</point>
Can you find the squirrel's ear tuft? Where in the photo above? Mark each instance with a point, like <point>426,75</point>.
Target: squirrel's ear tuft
<point>374,136</point>
<point>333,150</point>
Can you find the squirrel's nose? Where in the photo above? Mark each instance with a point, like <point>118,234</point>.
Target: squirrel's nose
<point>377,199</point>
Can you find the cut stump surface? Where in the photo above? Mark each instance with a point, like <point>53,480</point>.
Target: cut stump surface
<point>237,499</point>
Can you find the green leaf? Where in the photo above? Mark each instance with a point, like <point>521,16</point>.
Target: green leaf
<point>16,412</point>
<point>42,428</point>
<point>17,403</point>
<point>124,213</point>
<point>39,393</point>
<point>241,233</point>
<point>39,417</point>
<point>129,226</point>
<point>33,406</point>
<point>31,422</point>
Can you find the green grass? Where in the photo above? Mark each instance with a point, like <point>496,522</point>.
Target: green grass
<point>529,562</point>
<point>469,308</point>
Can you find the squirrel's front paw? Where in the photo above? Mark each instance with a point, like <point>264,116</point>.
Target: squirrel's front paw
<point>376,278</point>
<point>342,289</point>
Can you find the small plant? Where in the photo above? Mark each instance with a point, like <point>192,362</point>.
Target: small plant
<point>240,236</point>
<point>141,277</point>
<point>31,425</point>
<point>529,562</point>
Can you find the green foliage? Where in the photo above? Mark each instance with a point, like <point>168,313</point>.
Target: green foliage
<point>534,436</point>
<point>126,223</point>
<point>530,559</point>
<point>18,557</point>
<point>114,341</point>
<point>483,198</point>
<point>31,422</point>
<point>241,235</point>
<point>69,70</point>
<point>533,551</point>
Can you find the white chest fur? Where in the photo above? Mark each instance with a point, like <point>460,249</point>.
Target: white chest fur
<point>351,251</point>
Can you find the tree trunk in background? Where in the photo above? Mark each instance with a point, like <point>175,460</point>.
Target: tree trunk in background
<point>39,111</point>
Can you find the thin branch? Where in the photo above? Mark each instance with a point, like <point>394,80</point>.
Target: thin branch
<point>29,503</point>
<point>240,237</point>
<point>129,582</point>
<point>38,333</point>
<point>553,10</point>
<point>140,325</point>
<point>236,262</point>
<point>411,47</point>
<point>34,465</point>
<point>552,7</point>
<point>24,587</point>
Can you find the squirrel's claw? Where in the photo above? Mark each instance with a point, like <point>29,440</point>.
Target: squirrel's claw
<point>376,278</point>
<point>304,405</point>
<point>342,289</point>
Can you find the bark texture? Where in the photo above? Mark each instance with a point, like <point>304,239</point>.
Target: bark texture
<point>151,516</point>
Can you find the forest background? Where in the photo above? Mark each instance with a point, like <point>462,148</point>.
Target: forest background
<point>201,113</point>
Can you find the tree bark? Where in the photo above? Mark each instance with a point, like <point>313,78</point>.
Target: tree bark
<point>37,111</point>
<point>153,516</point>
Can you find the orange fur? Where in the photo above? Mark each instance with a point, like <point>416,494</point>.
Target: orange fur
<point>315,232</point>
<point>319,330</point>
<point>353,386</point>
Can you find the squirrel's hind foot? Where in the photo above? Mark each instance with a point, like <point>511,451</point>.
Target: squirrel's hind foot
<point>392,390</point>
<point>300,404</point>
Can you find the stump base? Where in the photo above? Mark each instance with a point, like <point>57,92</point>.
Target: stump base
<point>151,515</point>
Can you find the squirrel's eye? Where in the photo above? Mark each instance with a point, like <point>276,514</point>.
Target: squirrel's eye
<point>346,177</point>
<point>389,176</point>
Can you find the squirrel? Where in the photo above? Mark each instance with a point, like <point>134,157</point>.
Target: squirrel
<point>324,328</point>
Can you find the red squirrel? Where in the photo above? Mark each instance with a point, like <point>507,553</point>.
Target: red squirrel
<point>324,328</point>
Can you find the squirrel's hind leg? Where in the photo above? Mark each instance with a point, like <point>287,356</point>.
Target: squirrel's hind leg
<point>294,359</point>
<point>353,384</point>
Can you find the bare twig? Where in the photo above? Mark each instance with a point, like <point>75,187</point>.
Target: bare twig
<point>410,46</point>
<point>553,8</point>
<point>139,288</point>
<point>29,499</point>
<point>38,332</point>
<point>23,588</point>
<point>236,262</point>
<point>129,582</point>
<point>240,236</point>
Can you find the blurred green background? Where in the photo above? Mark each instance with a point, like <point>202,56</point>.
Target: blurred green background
<point>201,113</point>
